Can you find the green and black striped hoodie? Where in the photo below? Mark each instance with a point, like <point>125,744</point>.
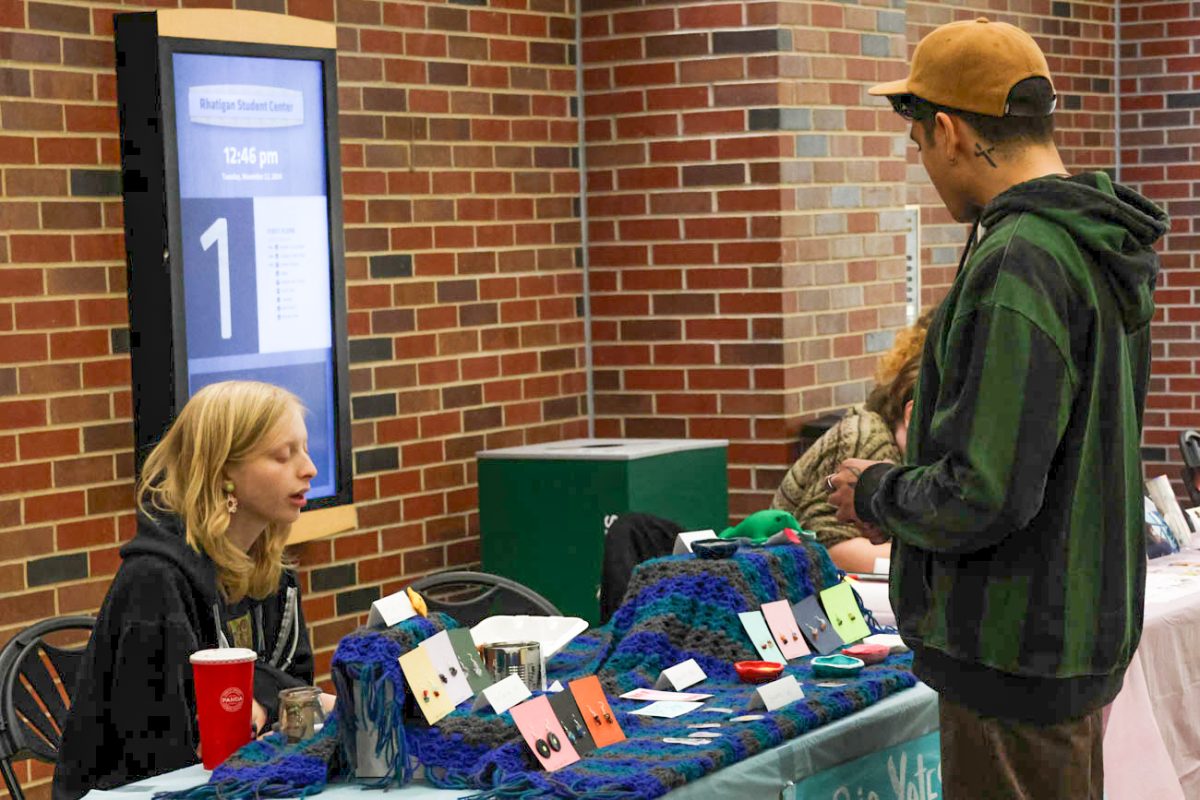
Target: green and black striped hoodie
<point>1018,569</point>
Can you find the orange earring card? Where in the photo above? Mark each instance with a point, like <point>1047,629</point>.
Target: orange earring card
<point>600,719</point>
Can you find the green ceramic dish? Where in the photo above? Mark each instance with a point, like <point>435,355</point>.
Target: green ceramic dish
<point>836,666</point>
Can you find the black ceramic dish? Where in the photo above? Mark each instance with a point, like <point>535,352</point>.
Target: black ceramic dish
<point>714,548</point>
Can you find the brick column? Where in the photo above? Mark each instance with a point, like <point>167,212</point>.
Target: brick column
<point>743,212</point>
<point>1160,157</point>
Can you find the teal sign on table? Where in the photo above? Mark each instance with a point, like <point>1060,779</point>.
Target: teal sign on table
<point>907,771</point>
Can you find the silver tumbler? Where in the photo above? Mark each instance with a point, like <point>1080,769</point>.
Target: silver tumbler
<point>515,658</point>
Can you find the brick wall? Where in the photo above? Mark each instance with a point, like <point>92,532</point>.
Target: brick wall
<point>458,133</point>
<point>743,219</point>
<point>745,201</point>
<point>1160,154</point>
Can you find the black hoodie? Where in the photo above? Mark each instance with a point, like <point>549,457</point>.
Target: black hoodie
<point>1018,569</point>
<point>133,713</point>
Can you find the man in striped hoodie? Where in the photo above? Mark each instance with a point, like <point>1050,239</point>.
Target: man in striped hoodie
<point>1018,564</point>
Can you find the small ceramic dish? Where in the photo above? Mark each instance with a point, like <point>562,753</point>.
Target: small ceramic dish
<point>714,548</point>
<point>757,671</point>
<point>869,653</point>
<point>836,666</point>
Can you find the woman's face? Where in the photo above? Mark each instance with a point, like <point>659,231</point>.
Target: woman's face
<point>271,484</point>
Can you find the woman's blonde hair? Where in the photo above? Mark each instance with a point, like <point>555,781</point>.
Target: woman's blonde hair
<point>896,374</point>
<point>223,423</point>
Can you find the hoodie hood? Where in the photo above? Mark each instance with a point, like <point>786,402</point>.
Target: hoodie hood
<point>163,537</point>
<point>1115,226</point>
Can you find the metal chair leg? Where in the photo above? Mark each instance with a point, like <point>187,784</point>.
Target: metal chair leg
<point>10,780</point>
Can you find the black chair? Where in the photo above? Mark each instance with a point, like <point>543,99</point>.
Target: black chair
<point>632,538</point>
<point>471,597</point>
<point>36,682</point>
<point>1189,446</point>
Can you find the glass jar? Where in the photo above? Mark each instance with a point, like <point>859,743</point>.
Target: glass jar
<point>300,713</point>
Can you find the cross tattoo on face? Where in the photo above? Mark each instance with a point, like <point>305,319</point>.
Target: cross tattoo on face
<point>979,151</point>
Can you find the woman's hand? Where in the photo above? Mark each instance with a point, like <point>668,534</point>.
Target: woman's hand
<point>258,720</point>
<point>327,702</point>
<point>841,486</point>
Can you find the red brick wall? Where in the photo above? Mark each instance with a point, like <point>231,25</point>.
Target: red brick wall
<point>458,149</point>
<point>1160,157</point>
<point>743,221</point>
<point>746,236</point>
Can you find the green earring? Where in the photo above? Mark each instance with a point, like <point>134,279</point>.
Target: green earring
<point>227,486</point>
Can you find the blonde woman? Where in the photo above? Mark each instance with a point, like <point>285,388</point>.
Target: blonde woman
<point>216,500</point>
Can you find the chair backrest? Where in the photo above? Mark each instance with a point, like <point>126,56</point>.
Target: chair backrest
<point>1189,447</point>
<point>37,679</point>
<point>471,597</point>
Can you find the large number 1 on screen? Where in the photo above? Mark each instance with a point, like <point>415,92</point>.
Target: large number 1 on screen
<point>219,232</point>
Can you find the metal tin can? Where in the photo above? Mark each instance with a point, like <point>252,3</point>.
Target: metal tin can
<point>515,658</point>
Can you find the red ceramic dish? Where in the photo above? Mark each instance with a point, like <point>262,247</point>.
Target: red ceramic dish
<point>758,671</point>
<point>869,653</point>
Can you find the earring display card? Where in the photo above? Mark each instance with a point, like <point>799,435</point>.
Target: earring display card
<point>543,733</point>
<point>841,607</point>
<point>445,664</point>
<point>598,717</point>
<point>815,626</point>
<point>785,629</point>
<point>571,719</point>
<point>760,636</point>
<point>478,678</point>
<point>429,694</point>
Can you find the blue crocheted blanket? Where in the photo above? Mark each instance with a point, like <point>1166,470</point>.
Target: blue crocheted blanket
<point>676,608</point>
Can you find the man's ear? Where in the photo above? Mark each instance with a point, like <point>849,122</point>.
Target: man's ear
<point>946,136</point>
<point>908,408</point>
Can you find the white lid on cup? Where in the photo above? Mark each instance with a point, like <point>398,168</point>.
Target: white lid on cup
<point>223,655</point>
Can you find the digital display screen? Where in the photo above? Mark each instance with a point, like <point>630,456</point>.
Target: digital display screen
<point>254,213</point>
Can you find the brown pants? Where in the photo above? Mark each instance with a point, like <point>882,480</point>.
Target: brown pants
<point>986,758</point>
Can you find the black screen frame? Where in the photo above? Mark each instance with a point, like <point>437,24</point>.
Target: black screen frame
<point>158,407</point>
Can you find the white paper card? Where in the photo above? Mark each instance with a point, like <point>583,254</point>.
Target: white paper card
<point>883,566</point>
<point>503,695</point>
<point>681,676</point>
<point>777,694</point>
<point>555,687</point>
<point>683,542</point>
<point>655,694</point>
<point>666,709</point>
<point>1163,495</point>
<point>387,611</point>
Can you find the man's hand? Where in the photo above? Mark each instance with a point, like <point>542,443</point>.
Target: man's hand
<point>841,486</point>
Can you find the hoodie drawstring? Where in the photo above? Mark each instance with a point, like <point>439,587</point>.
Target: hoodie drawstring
<point>967,250</point>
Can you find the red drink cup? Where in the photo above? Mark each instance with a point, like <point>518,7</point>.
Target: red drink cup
<point>224,679</point>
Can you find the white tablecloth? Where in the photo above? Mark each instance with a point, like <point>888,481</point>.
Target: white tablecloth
<point>1152,739</point>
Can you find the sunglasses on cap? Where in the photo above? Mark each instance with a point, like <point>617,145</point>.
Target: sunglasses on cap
<point>911,107</point>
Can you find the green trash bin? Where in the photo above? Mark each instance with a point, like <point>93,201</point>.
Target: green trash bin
<point>544,509</point>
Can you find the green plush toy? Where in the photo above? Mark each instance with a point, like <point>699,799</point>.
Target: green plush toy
<point>762,525</point>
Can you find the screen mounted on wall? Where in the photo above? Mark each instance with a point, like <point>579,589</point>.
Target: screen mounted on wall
<point>233,221</point>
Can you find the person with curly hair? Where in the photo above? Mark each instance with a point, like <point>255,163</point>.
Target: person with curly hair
<point>876,430</point>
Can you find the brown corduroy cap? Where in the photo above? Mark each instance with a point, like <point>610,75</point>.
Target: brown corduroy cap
<point>971,65</point>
